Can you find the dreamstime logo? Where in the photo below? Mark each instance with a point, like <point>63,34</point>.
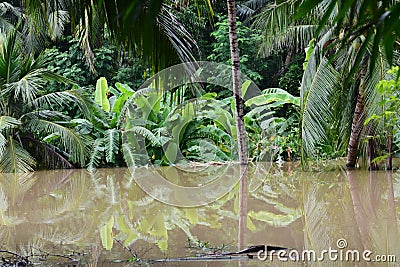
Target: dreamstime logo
<point>340,253</point>
<point>212,180</point>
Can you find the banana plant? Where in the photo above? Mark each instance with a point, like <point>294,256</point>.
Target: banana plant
<point>109,124</point>
<point>270,136</point>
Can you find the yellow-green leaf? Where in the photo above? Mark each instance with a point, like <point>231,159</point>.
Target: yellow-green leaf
<point>191,214</point>
<point>106,234</point>
<point>100,95</point>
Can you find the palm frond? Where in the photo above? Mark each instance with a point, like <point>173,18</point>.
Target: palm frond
<point>28,87</point>
<point>7,122</point>
<point>6,7</point>
<point>3,144</point>
<point>9,60</point>
<point>248,10</point>
<point>62,99</point>
<point>24,78</point>
<point>142,131</point>
<point>111,138</point>
<point>129,155</point>
<point>180,38</point>
<point>77,146</point>
<point>373,102</point>
<point>245,12</point>
<point>9,16</point>
<point>294,37</point>
<point>45,114</point>
<point>316,93</point>
<point>51,157</point>
<point>379,73</point>
<point>96,154</point>
<point>33,35</point>
<point>274,19</point>
<point>164,41</point>
<point>277,22</point>
<point>57,21</point>
<point>15,158</point>
<point>83,34</point>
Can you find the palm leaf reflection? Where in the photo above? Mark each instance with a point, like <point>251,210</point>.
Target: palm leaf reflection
<point>71,209</point>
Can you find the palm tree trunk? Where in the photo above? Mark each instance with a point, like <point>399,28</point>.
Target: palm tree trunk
<point>371,154</point>
<point>356,126</point>
<point>239,119</point>
<point>239,103</point>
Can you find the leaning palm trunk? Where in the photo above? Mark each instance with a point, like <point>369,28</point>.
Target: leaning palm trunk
<point>360,212</point>
<point>357,124</point>
<point>241,132</point>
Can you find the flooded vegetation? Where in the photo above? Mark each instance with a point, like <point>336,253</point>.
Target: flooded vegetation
<point>105,219</point>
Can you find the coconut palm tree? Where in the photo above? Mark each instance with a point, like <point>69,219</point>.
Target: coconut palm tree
<point>32,131</point>
<point>239,102</point>
<point>148,28</point>
<point>376,21</point>
<point>239,117</point>
<point>336,92</point>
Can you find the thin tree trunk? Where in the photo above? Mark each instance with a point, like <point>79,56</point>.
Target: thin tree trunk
<point>371,154</point>
<point>356,126</point>
<point>239,103</point>
<point>390,151</point>
<point>239,118</point>
<point>286,64</point>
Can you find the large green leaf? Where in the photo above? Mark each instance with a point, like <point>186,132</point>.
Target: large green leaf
<point>106,234</point>
<point>274,95</point>
<point>100,95</point>
<point>171,152</point>
<point>126,93</point>
<point>273,219</point>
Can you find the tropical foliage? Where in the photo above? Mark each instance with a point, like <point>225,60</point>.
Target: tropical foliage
<point>31,124</point>
<point>327,108</point>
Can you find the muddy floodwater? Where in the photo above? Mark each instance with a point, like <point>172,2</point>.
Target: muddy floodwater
<point>326,217</point>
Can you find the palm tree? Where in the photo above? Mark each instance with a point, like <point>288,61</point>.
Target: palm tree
<point>376,21</point>
<point>32,131</point>
<point>239,103</point>
<point>148,28</point>
<point>370,27</point>
<point>239,118</point>
<point>337,93</point>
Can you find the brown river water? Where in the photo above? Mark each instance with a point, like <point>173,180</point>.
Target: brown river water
<point>79,218</point>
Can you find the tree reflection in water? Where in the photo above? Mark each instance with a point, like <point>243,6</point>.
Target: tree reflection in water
<point>74,210</point>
